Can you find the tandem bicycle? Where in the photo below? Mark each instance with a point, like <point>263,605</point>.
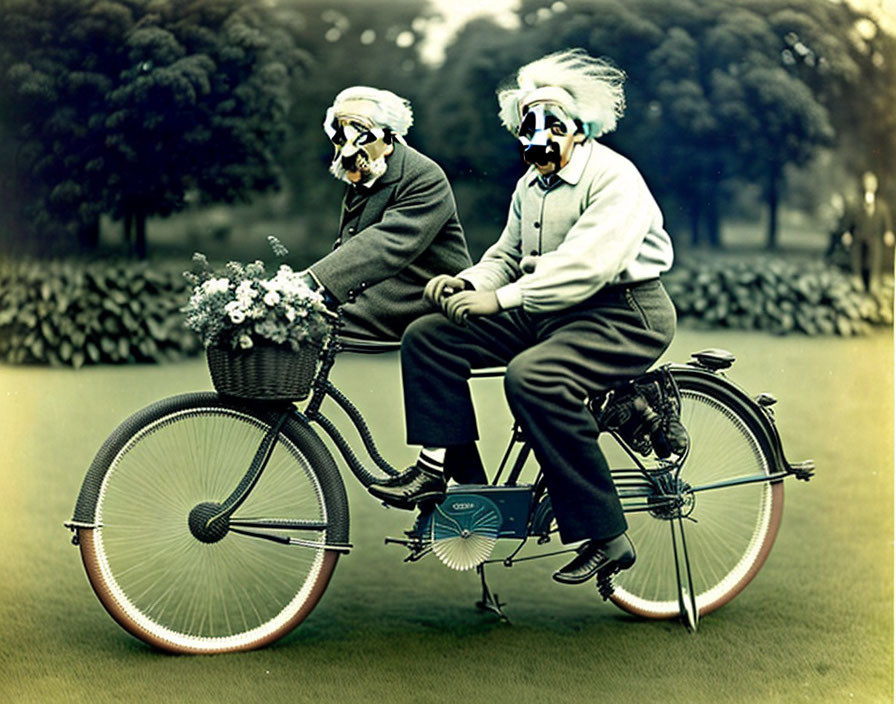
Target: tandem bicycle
<point>211,523</point>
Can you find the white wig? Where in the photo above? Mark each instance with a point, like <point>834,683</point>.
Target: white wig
<point>384,108</point>
<point>593,88</point>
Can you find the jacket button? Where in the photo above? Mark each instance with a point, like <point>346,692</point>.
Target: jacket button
<point>536,224</point>
<point>352,230</point>
<point>533,253</point>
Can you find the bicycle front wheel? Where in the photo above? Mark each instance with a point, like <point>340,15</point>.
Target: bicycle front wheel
<point>729,530</point>
<point>220,594</point>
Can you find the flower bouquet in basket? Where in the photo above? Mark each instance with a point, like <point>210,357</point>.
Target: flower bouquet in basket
<point>262,332</point>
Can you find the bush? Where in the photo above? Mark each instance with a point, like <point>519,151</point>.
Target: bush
<point>777,296</point>
<point>73,313</point>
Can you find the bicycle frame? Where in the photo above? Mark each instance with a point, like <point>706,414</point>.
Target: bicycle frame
<point>761,408</point>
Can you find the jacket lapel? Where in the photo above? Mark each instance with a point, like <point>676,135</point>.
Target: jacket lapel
<point>383,189</point>
<point>343,212</point>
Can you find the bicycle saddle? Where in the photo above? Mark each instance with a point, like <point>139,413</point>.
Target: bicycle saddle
<point>714,359</point>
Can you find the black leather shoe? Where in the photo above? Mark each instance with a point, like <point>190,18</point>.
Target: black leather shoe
<point>410,488</point>
<point>392,479</point>
<point>598,559</point>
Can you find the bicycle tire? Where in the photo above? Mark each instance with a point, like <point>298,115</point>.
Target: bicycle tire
<point>182,595</point>
<point>733,528</point>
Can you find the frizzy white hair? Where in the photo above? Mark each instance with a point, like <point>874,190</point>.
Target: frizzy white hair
<point>390,111</point>
<point>594,84</point>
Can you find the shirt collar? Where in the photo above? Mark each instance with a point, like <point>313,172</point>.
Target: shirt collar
<point>575,167</point>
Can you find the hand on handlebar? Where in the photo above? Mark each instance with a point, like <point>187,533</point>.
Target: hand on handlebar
<point>441,286</point>
<point>311,281</point>
<point>460,306</point>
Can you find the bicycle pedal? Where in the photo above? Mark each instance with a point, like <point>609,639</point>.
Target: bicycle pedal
<point>605,586</point>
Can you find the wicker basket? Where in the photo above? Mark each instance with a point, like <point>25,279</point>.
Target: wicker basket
<point>264,372</point>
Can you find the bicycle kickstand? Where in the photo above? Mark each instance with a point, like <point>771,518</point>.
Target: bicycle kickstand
<point>489,601</point>
<point>687,602</point>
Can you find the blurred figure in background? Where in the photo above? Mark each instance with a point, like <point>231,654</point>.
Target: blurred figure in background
<point>867,232</point>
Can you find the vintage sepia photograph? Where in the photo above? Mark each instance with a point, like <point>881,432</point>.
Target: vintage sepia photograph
<point>411,351</point>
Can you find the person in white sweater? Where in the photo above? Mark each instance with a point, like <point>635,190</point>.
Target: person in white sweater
<point>568,298</point>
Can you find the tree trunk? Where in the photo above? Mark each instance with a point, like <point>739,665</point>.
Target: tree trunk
<point>140,235</point>
<point>127,229</point>
<point>713,226</point>
<point>134,231</point>
<point>694,213</point>
<point>89,235</point>
<point>772,194</point>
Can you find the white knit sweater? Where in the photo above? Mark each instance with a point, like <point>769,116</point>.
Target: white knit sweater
<point>597,224</point>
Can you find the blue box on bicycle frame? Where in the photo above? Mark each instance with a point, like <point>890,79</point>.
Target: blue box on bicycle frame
<point>512,503</point>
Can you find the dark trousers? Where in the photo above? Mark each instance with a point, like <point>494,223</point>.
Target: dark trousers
<point>867,257</point>
<point>555,361</point>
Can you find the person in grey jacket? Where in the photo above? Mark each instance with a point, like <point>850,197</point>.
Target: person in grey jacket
<point>398,226</point>
<point>568,298</point>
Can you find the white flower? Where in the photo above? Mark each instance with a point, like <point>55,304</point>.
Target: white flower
<point>249,304</point>
<point>213,286</point>
<point>272,298</point>
<point>245,292</point>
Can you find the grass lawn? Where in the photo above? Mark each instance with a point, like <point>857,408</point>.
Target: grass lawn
<point>815,626</point>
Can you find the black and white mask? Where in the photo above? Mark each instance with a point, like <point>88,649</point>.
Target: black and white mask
<point>546,136</point>
<point>360,146</point>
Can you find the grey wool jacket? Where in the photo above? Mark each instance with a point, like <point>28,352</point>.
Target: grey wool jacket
<point>393,238</point>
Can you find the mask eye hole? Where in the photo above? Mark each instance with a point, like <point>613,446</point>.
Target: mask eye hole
<point>527,126</point>
<point>338,136</point>
<point>555,125</point>
<point>362,134</point>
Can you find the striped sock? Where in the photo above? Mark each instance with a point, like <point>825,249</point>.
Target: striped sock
<point>432,460</point>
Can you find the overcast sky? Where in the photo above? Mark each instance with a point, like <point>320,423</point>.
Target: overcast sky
<point>457,12</point>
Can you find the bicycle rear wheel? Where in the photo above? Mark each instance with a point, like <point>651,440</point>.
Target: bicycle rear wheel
<point>733,528</point>
<point>185,595</point>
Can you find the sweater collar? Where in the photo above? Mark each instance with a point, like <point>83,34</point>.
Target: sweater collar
<point>575,167</point>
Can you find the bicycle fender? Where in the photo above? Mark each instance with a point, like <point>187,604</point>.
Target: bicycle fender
<point>736,395</point>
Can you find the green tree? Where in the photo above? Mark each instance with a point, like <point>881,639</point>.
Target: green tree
<point>124,107</point>
<point>711,102</point>
<point>460,127</point>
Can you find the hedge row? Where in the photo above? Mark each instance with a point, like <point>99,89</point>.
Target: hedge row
<point>777,296</point>
<point>77,312</point>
